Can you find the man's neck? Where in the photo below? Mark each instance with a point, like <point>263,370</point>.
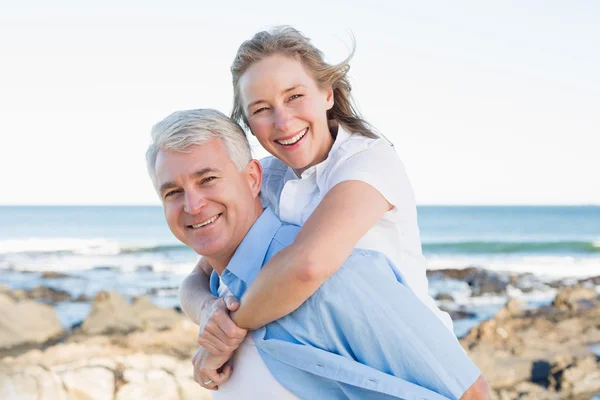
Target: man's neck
<point>221,261</point>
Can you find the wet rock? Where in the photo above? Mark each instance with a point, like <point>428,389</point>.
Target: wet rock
<point>48,295</point>
<point>26,323</point>
<point>444,297</point>
<point>82,298</point>
<point>54,275</point>
<point>594,280</point>
<point>105,268</point>
<point>457,314</point>
<point>480,281</point>
<point>144,268</point>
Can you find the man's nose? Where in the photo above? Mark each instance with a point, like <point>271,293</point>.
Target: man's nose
<point>283,119</point>
<point>194,203</point>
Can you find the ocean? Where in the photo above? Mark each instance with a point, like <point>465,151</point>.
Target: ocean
<point>130,248</point>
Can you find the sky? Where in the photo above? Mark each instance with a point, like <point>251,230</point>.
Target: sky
<point>486,103</point>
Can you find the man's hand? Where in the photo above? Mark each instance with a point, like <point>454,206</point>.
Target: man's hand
<point>210,371</point>
<point>218,334</point>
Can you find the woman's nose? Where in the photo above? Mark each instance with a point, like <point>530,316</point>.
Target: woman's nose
<point>283,119</point>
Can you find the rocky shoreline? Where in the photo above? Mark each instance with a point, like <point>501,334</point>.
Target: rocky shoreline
<point>136,350</point>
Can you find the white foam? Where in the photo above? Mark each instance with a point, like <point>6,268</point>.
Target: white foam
<point>543,266</point>
<point>48,245</point>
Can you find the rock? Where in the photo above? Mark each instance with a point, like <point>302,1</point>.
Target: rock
<point>532,391</point>
<point>105,268</point>
<point>179,341</point>
<point>575,298</point>
<point>110,314</point>
<point>26,323</point>
<point>594,280</point>
<point>47,294</point>
<point>511,309</point>
<point>89,383</point>
<point>144,268</point>
<point>501,369</point>
<point>458,314</point>
<point>82,298</point>
<point>153,317</point>
<point>581,377</point>
<point>152,384</point>
<point>480,280</point>
<point>54,275</point>
<point>444,296</point>
<point>96,369</point>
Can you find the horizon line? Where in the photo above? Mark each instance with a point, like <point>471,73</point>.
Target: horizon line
<point>418,205</point>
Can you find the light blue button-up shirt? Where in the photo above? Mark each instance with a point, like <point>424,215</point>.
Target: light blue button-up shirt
<point>362,335</point>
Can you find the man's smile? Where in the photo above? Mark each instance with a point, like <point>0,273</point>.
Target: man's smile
<point>207,222</point>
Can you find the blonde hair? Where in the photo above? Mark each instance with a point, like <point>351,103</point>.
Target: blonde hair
<point>287,41</point>
<point>183,129</point>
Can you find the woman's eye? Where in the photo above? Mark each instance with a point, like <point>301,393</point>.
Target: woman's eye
<point>259,110</point>
<point>295,96</point>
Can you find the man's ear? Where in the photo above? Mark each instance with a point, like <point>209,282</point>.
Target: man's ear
<point>254,176</point>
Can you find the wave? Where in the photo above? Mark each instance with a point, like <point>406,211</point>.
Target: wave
<point>81,247</point>
<point>499,247</point>
<point>106,247</point>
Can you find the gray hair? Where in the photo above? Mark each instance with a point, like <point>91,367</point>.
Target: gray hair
<point>186,128</point>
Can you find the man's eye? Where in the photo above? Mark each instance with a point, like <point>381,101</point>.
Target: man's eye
<point>172,192</point>
<point>209,179</point>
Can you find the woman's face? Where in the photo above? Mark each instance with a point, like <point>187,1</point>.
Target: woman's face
<point>287,111</point>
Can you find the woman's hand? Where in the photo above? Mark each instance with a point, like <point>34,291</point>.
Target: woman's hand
<point>210,371</point>
<point>218,334</point>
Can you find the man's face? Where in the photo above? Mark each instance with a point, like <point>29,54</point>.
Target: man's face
<point>209,205</point>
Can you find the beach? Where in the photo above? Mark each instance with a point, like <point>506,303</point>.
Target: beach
<point>521,284</point>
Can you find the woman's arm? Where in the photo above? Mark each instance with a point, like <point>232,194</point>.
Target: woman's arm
<point>327,238</point>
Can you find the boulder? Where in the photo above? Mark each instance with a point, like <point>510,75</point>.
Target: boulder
<point>153,317</point>
<point>26,323</point>
<point>576,298</point>
<point>110,314</point>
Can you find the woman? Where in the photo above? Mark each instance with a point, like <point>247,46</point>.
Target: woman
<point>330,173</point>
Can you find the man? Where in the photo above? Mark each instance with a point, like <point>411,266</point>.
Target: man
<point>363,334</point>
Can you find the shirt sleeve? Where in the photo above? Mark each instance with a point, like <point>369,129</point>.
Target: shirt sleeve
<point>380,166</point>
<point>272,182</point>
<point>381,323</point>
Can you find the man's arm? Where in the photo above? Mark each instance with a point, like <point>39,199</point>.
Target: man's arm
<point>218,334</point>
<point>194,292</point>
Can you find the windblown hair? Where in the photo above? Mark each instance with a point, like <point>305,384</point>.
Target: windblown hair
<point>183,129</point>
<point>289,42</point>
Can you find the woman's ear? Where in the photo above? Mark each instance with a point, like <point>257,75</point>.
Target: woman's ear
<point>329,99</point>
<point>254,176</point>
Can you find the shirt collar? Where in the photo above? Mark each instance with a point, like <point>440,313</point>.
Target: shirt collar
<point>250,254</point>
<point>341,137</point>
